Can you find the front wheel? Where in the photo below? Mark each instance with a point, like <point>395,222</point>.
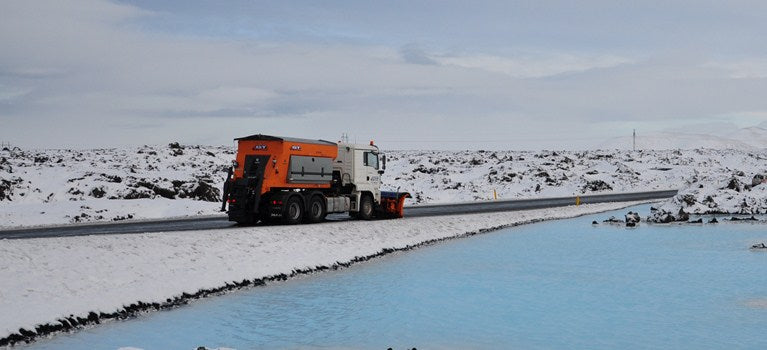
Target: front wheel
<point>366,208</point>
<point>293,211</point>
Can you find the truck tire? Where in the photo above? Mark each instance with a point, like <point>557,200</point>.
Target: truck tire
<point>366,207</point>
<point>316,211</point>
<point>293,212</point>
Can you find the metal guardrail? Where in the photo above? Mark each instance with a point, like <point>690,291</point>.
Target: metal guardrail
<point>526,204</point>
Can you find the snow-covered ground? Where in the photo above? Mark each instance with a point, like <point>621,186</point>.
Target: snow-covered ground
<point>737,193</point>
<point>441,176</point>
<point>70,186</point>
<point>45,280</point>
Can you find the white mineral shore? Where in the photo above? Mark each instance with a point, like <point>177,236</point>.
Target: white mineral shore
<point>43,280</point>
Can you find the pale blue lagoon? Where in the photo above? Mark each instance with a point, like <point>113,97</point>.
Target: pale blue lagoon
<point>561,284</point>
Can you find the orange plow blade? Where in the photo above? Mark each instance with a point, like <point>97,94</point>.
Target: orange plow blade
<point>392,204</point>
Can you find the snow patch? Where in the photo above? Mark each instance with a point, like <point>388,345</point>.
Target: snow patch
<point>736,193</point>
<point>151,182</point>
<point>52,279</point>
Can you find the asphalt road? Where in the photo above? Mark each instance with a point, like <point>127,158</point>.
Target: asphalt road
<point>208,223</point>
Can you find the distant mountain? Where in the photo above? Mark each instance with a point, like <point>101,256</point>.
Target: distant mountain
<point>754,137</point>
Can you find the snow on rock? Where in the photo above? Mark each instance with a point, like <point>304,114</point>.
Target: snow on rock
<point>448,176</point>
<point>632,219</point>
<point>71,186</point>
<point>737,193</point>
<point>47,280</point>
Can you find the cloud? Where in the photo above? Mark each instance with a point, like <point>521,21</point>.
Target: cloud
<point>9,93</point>
<point>413,54</point>
<point>742,69</point>
<point>535,65</point>
<point>70,69</point>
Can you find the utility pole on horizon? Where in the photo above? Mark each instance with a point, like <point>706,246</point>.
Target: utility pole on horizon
<point>634,146</point>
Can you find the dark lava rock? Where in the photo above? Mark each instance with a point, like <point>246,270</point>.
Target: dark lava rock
<point>752,218</point>
<point>6,187</point>
<point>758,179</point>
<point>759,246</point>
<point>111,178</point>
<point>682,215</point>
<point>595,222</point>
<point>734,184</point>
<point>475,161</point>
<point>424,170</point>
<point>120,217</point>
<point>75,191</point>
<point>713,221</point>
<point>509,177</point>
<point>613,220</point>
<point>699,221</point>
<point>98,192</point>
<point>160,191</point>
<point>133,194</point>
<point>597,185</point>
<point>206,192</point>
<point>632,218</point>
<point>666,218</point>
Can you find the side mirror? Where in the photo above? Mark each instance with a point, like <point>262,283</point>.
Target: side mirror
<point>383,161</point>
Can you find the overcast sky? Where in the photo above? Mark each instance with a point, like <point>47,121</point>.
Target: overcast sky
<point>409,74</point>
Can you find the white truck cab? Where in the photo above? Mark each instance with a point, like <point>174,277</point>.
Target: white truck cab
<point>360,167</point>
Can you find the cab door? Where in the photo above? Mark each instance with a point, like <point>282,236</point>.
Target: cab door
<point>371,164</point>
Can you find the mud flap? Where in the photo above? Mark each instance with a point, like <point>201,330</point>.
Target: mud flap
<point>245,194</point>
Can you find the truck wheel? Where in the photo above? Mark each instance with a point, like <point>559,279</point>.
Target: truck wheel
<point>293,211</point>
<point>316,211</point>
<point>366,208</point>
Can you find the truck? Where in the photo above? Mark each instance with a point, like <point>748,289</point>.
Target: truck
<point>294,180</point>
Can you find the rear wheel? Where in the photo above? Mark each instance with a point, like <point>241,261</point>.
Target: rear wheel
<point>316,211</point>
<point>293,211</point>
<point>366,208</point>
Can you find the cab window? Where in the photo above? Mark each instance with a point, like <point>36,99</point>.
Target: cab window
<point>371,159</point>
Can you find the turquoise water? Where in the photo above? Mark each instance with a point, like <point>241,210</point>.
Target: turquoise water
<point>553,285</point>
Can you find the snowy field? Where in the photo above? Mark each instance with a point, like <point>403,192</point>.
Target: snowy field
<point>46,280</point>
<point>737,193</point>
<point>54,278</point>
<point>72,186</point>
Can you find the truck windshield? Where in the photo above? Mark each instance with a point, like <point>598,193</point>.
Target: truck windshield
<point>371,159</point>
